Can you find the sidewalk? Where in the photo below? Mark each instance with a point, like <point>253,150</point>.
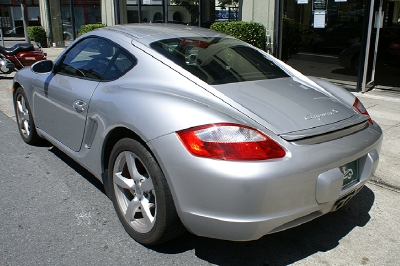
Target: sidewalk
<point>53,52</point>
<point>384,108</point>
<point>382,104</point>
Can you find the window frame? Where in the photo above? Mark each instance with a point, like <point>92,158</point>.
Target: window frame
<point>119,50</point>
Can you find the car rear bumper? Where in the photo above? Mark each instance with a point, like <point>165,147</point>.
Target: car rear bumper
<point>246,228</point>
<point>243,201</point>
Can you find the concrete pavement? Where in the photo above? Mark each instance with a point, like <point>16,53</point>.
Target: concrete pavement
<point>53,52</point>
<point>382,104</point>
<point>384,108</point>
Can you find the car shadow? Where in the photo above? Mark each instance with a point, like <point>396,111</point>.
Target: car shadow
<point>283,248</point>
<point>4,77</point>
<point>344,71</point>
<point>78,168</point>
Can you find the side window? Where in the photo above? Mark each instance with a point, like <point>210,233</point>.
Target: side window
<point>90,58</point>
<point>97,59</point>
<point>121,63</point>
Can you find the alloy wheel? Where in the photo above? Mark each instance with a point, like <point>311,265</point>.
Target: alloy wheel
<point>134,192</point>
<point>23,116</point>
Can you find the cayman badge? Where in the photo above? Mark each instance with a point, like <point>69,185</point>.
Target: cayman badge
<point>318,116</point>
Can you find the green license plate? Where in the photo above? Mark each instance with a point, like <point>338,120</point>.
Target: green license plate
<point>350,173</point>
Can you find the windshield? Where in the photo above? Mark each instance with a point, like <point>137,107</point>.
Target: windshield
<point>219,60</point>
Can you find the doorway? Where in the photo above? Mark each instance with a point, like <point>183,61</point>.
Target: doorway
<point>345,42</point>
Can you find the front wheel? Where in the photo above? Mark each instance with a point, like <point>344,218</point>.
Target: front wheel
<point>23,113</point>
<point>141,195</point>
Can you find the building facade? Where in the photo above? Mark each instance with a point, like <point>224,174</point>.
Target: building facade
<point>312,31</point>
<point>11,16</point>
<point>63,18</point>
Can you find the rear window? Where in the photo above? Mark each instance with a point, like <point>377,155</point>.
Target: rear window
<point>219,60</point>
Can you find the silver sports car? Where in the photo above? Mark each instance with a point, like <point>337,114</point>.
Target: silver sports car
<point>192,129</point>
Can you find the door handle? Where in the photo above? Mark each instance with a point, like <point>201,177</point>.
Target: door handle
<point>79,106</point>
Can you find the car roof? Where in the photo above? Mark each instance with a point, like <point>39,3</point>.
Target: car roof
<point>147,33</point>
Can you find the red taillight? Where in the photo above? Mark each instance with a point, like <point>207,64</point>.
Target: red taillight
<point>228,141</point>
<point>394,46</point>
<point>361,109</point>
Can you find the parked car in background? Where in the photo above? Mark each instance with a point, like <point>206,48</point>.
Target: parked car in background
<point>67,31</point>
<point>17,30</point>
<point>392,54</point>
<point>335,38</point>
<point>349,58</point>
<point>188,128</point>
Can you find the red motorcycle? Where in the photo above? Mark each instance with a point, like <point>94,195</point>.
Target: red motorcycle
<point>19,56</point>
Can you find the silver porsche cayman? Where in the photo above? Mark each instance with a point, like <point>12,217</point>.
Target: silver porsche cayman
<point>190,129</point>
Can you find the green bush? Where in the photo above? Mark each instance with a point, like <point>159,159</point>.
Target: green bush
<point>37,34</point>
<point>89,27</point>
<point>250,32</point>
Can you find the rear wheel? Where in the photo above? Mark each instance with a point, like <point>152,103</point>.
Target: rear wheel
<point>141,195</point>
<point>23,113</point>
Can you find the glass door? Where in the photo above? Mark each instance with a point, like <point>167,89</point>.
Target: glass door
<point>370,46</point>
<point>335,40</point>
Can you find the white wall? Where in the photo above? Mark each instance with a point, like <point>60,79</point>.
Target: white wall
<point>261,11</point>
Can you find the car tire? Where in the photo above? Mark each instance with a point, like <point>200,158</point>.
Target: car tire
<point>23,114</point>
<point>141,195</point>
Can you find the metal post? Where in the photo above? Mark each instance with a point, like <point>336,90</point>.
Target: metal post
<point>367,47</point>
<point>71,8</point>
<point>1,32</point>
<point>199,18</point>
<point>116,12</point>
<point>165,10</point>
<point>24,20</point>
<point>277,41</point>
<point>50,22</point>
<point>139,11</point>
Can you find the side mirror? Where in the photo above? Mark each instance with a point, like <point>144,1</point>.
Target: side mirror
<point>43,66</point>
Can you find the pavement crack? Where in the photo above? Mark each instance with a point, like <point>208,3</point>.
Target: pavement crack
<point>385,185</point>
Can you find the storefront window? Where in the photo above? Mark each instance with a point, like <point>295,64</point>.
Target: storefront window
<point>11,17</point>
<point>188,9</point>
<point>181,11</point>
<point>63,28</point>
<point>341,24</point>
<point>152,11</point>
<point>324,38</point>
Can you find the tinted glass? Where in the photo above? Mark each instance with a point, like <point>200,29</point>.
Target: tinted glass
<point>219,60</point>
<point>121,63</point>
<point>89,58</point>
<point>97,59</point>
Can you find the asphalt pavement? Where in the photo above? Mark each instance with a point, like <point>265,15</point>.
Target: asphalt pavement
<point>53,212</point>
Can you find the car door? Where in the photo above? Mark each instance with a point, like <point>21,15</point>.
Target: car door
<point>62,99</point>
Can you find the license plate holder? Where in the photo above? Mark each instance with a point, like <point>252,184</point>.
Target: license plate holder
<point>350,174</point>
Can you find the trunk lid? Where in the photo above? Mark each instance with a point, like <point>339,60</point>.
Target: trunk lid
<point>288,105</point>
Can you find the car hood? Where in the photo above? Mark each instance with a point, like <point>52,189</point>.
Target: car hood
<point>287,104</point>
